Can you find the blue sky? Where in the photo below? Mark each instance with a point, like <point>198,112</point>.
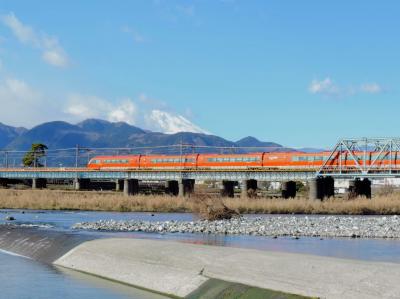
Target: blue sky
<point>300,73</point>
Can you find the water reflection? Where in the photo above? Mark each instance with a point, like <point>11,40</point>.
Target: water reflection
<point>22,278</point>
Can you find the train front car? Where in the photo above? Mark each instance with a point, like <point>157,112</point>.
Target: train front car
<point>114,162</point>
<point>232,161</point>
<point>169,162</point>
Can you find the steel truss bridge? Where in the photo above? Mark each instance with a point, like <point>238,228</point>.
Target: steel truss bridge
<point>363,167</point>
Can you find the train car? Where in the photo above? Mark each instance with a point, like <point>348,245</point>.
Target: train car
<point>169,162</point>
<point>114,162</point>
<point>233,161</point>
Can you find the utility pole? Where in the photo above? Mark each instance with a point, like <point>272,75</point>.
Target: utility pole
<point>76,155</point>
<point>6,159</point>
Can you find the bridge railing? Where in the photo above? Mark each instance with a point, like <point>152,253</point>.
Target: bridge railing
<point>358,154</point>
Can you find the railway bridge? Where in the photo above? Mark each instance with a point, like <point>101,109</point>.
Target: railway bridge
<point>181,181</point>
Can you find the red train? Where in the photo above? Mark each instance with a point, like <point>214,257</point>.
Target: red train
<point>276,160</point>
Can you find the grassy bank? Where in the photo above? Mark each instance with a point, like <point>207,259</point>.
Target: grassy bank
<point>109,201</point>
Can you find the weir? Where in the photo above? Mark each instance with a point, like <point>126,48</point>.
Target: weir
<point>44,246</point>
<point>190,270</point>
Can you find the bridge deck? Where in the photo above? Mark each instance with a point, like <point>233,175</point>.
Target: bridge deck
<point>164,174</point>
<point>185,173</point>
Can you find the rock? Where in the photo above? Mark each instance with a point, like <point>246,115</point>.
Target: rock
<point>272,226</point>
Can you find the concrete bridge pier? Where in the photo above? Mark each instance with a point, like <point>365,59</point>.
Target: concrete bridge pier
<point>367,187</point>
<point>185,187</point>
<point>118,185</point>
<point>38,183</point>
<point>81,184</point>
<point>4,183</point>
<point>248,188</point>
<point>34,183</point>
<point>321,187</point>
<point>172,187</point>
<point>359,187</point>
<point>329,187</point>
<point>316,189</point>
<point>131,187</point>
<point>228,188</point>
<point>289,189</point>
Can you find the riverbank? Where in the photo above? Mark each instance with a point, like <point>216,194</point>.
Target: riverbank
<point>112,201</point>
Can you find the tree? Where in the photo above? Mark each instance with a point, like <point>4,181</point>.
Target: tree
<point>32,158</point>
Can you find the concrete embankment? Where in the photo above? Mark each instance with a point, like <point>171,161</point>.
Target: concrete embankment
<point>191,270</point>
<point>179,269</point>
<point>42,245</point>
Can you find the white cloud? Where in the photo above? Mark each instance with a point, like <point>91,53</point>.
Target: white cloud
<point>141,113</point>
<point>52,52</point>
<point>371,88</point>
<point>25,34</point>
<point>126,111</point>
<point>55,58</point>
<point>85,106</point>
<point>24,105</point>
<point>327,87</point>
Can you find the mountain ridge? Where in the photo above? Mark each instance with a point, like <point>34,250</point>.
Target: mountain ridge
<point>97,133</point>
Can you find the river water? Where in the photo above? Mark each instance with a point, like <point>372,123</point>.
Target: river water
<point>56,283</point>
<point>23,278</point>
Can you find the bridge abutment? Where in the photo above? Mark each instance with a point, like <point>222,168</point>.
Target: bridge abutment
<point>289,189</point>
<point>186,187</point>
<point>228,188</point>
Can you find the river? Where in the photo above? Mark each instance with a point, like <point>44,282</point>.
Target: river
<point>50,282</point>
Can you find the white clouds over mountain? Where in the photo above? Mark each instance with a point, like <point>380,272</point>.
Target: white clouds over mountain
<point>145,113</point>
<point>24,105</point>
<point>52,52</point>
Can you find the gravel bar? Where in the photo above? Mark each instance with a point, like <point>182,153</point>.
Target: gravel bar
<point>272,226</point>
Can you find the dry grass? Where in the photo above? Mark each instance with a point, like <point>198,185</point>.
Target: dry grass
<point>382,205</point>
<point>204,205</point>
<point>89,200</point>
<point>212,208</point>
